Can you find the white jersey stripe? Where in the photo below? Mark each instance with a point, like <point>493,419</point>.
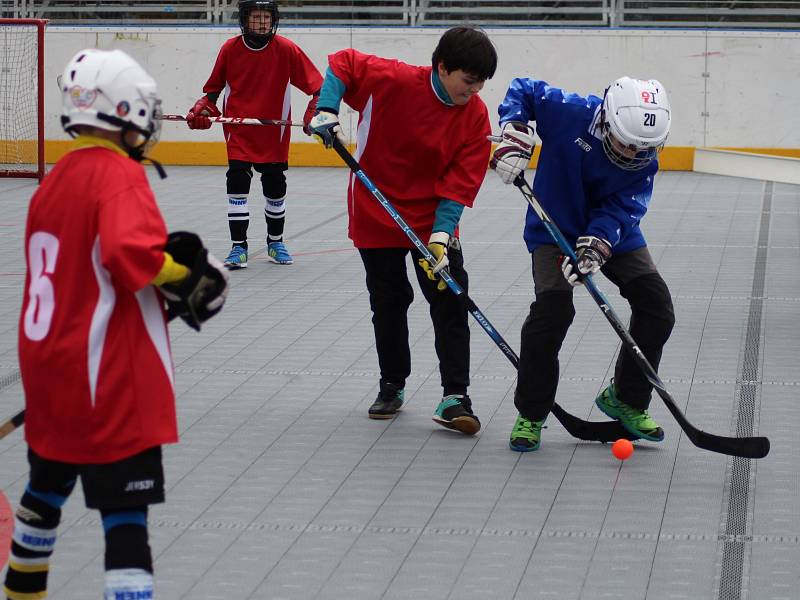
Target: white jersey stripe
<point>362,135</point>
<point>106,300</point>
<point>156,327</point>
<point>287,107</point>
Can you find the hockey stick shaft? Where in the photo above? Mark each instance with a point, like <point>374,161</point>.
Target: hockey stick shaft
<point>601,432</point>
<point>236,121</point>
<point>746,447</point>
<point>10,425</point>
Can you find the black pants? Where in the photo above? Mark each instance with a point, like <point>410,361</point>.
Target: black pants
<point>273,178</point>
<point>390,295</point>
<point>551,314</point>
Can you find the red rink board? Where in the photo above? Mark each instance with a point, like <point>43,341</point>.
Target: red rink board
<point>6,529</point>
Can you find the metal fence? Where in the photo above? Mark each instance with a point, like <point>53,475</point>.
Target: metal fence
<point>524,13</point>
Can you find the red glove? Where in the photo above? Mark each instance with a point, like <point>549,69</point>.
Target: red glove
<point>198,117</point>
<point>309,114</point>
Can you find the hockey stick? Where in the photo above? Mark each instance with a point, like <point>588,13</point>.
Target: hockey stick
<point>746,447</point>
<point>236,120</point>
<point>605,431</point>
<point>10,425</point>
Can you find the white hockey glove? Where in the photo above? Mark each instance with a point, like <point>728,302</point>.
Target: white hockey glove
<point>324,126</point>
<point>512,155</point>
<point>437,244</point>
<point>592,253</point>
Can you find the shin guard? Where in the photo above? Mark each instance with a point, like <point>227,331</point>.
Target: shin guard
<point>32,544</point>
<point>275,216</point>
<point>128,561</point>
<point>128,584</point>
<point>238,218</point>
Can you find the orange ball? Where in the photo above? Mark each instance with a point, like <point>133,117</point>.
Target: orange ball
<point>622,449</point>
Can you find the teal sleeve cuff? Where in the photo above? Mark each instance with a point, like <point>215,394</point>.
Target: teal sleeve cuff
<point>332,92</point>
<point>448,214</point>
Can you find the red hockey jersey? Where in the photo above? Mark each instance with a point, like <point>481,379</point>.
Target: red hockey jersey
<point>93,347</point>
<point>415,148</point>
<point>256,84</point>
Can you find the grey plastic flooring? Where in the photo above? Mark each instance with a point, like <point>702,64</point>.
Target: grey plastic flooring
<point>282,488</point>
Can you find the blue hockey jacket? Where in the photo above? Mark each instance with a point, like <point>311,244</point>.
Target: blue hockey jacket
<point>579,187</point>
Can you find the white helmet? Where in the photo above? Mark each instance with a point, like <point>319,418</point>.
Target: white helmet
<point>109,90</point>
<point>634,122</point>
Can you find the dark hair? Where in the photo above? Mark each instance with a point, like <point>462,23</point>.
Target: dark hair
<point>468,49</point>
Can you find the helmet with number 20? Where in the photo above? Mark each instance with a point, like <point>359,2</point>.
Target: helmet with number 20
<point>634,121</point>
<point>109,90</point>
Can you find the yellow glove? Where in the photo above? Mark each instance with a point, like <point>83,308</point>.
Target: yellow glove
<point>437,245</point>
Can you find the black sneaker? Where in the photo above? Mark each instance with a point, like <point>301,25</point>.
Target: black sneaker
<point>388,402</point>
<point>455,412</point>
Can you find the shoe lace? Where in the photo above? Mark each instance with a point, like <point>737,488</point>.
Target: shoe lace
<point>634,414</point>
<point>526,428</point>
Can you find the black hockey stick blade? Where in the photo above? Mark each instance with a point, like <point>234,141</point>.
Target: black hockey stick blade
<point>745,447</point>
<point>584,430</point>
<point>10,425</point>
<point>590,431</point>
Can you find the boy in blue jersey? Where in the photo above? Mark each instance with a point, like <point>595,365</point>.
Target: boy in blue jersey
<point>595,179</point>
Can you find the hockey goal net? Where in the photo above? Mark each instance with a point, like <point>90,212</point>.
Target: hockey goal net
<point>22,98</point>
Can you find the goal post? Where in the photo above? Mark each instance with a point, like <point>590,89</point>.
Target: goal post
<point>22,98</point>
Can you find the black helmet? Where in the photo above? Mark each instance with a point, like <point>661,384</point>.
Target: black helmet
<point>253,38</point>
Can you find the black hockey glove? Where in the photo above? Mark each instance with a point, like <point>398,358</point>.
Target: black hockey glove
<point>201,295</point>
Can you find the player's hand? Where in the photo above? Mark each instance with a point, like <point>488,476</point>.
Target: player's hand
<point>512,155</point>
<point>309,114</point>
<point>592,253</point>
<point>198,116</point>
<point>325,126</point>
<point>202,294</point>
<point>437,244</point>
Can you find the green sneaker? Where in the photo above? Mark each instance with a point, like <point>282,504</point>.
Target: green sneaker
<point>526,435</point>
<point>638,422</point>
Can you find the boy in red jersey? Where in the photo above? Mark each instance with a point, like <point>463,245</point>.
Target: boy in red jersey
<point>93,346</point>
<point>254,70</point>
<point>422,139</point>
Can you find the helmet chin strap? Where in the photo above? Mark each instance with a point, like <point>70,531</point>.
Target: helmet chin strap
<point>257,41</point>
<point>137,152</point>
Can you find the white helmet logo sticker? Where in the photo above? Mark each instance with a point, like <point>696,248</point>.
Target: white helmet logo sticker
<point>82,98</point>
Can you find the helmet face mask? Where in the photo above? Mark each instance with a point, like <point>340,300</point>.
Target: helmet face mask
<point>145,139</point>
<point>258,20</point>
<point>628,156</point>
<point>109,90</point>
<point>634,122</point>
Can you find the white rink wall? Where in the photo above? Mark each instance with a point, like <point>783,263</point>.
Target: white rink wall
<point>728,88</point>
